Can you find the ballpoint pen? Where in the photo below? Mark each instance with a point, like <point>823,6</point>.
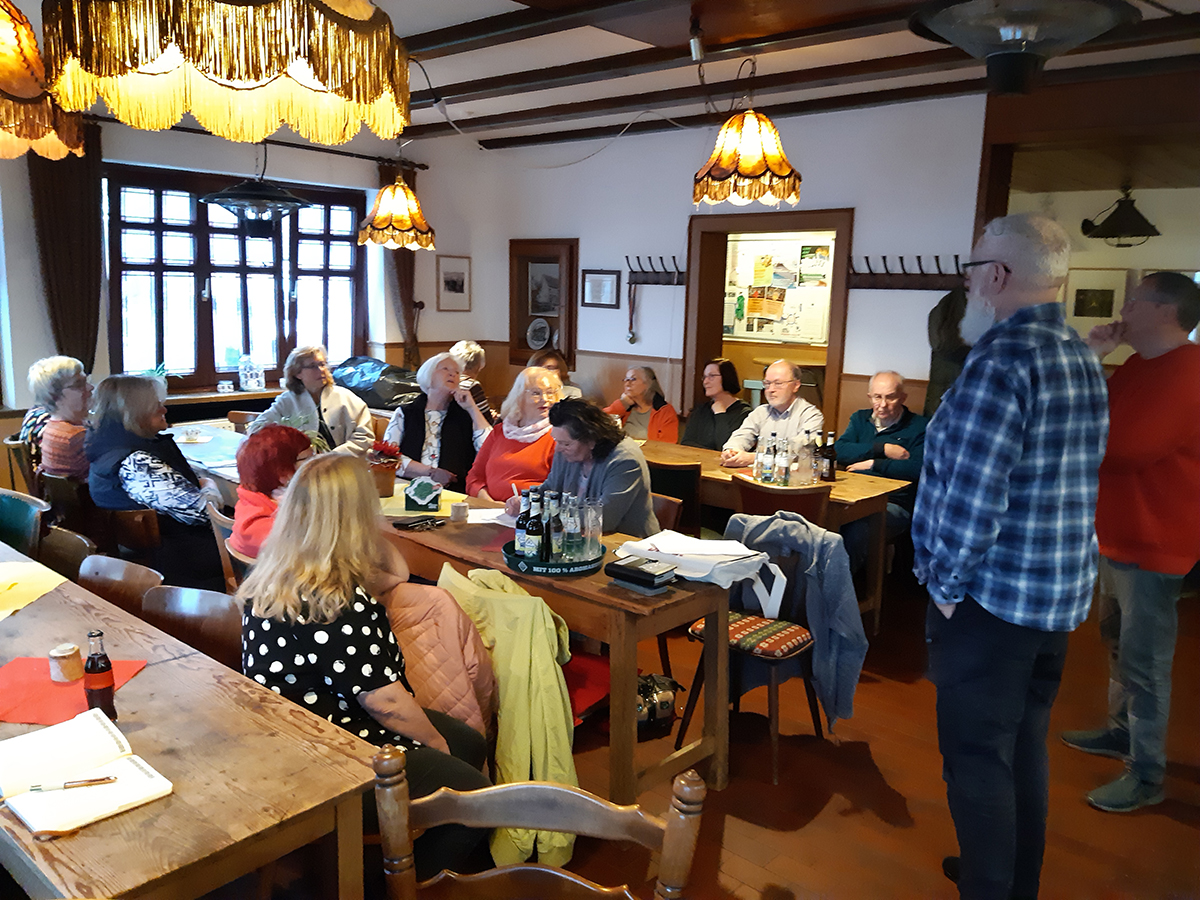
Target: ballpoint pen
<point>66,785</point>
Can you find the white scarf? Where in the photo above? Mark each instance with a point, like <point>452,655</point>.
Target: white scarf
<point>526,434</point>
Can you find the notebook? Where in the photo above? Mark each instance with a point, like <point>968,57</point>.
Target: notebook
<point>87,746</point>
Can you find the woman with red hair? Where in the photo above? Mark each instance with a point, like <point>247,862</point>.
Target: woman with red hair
<point>266,462</point>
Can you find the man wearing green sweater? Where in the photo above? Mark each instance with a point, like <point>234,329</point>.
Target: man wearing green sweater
<point>886,440</point>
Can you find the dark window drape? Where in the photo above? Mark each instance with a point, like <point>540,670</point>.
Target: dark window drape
<point>406,300</point>
<point>66,219</point>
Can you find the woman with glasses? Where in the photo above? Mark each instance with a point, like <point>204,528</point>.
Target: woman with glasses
<point>313,403</point>
<point>713,421</point>
<point>518,452</point>
<point>60,386</point>
<point>643,410</point>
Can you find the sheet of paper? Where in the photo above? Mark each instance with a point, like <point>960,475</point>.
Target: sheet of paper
<point>23,582</point>
<point>490,516</point>
<point>683,544</point>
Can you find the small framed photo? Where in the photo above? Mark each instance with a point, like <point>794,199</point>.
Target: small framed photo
<point>601,288</point>
<point>453,283</point>
<point>543,278</point>
<point>1095,297</point>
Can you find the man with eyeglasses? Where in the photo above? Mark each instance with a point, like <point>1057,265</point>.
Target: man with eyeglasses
<point>785,415</point>
<point>1004,539</point>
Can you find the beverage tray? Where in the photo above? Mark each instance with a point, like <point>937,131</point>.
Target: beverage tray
<point>564,569</point>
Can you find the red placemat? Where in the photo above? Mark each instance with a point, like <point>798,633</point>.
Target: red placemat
<point>29,697</point>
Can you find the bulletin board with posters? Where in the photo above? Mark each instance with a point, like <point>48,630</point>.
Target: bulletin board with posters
<point>777,287</point>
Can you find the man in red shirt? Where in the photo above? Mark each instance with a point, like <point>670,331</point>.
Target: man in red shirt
<point>1148,523</point>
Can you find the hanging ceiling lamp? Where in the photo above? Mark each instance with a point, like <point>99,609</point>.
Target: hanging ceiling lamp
<point>747,163</point>
<point>1016,37</point>
<point>396,220</point>
<point>241,67</point>
<point>29,117</point>
<point>257,202</point>
<point>1124,227</point>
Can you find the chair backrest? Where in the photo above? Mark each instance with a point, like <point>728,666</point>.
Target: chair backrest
<point>133,529</point>
<point>222,528</point>
<point>666,510</point>
<point>209,621</point>
<point>19,450</point>
<point>241,418</point>
<point>21,521</point>
<point>70,500</point>
<point>242,558</point>
<point>120,582</point>
<point>537,805</point>
<point>811,501</point>
<point>682,481</point>
<point>379,424</point>
<point>64,551</point>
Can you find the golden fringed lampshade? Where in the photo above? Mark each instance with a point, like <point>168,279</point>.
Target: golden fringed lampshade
<point>241,68</point>
<point>748,163</point>
<point>396,220</point>
<point>29,117</point>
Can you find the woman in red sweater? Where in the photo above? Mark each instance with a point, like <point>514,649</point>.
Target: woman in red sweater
<point>519,451</point>
<point>644,412</point>
<point>266,463</point>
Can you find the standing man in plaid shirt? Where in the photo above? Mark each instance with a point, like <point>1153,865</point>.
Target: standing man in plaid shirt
<point>1005,543</point>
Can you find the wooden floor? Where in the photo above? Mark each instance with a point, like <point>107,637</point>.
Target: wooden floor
<point>864,815</point>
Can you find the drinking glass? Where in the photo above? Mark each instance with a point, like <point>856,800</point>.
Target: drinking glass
<point>592,514</point>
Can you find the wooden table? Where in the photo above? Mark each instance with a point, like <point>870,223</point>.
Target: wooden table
<point>592,606</point>
<point>854,496</point>
<point>255,776</point>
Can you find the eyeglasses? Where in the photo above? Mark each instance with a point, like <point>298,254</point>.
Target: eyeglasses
<point>771,384</point>
<point>539,395</point>
<point>314,366</point>
<point>711,375</point>
<point>968,266</point>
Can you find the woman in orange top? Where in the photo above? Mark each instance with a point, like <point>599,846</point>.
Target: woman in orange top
<point>519,451</point>
<point>643,410</point>
<point>266,462</point>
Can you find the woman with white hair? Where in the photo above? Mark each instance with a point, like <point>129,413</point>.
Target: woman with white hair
<point>439,430</point>
<point>643,410</point>
<point>519,451</point>
<point>62,391</point>
<point>136,465</point>
<point>471,359</point>
<point>313,403</point>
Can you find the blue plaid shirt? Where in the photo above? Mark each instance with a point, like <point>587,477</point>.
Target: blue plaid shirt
<point>1007,502</point>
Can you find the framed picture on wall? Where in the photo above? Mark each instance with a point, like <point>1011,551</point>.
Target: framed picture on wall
<point>453,283</point>
<point>1095,297</point>
<point>601,288</point>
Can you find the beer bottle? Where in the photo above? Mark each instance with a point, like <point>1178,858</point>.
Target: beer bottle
<point>98,682</point>
<point>522,523</point>
<point>534,529</point>
<point>829,459</point>
<point>554,526</point>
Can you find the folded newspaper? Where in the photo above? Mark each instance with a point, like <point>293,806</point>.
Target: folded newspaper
<point>721,562</point>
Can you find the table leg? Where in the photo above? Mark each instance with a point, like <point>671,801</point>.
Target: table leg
<point>876,553</point>
<point>622,715</point>
<point>716,693</point>
<point>350,848</point>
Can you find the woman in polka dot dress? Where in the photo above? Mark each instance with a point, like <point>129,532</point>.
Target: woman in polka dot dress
<point>312,634</point>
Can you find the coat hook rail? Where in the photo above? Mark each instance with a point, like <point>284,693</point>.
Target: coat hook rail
<point>884,275</point>
<point>651,274</point>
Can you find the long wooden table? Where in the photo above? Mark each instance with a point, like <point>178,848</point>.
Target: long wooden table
<point>593,606</point>
<point>854,496</point>
<point>254,775</point>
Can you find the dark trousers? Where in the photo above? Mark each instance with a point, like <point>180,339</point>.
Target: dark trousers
<point>996,683</point>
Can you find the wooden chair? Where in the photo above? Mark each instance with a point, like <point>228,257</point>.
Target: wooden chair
<point>682,481</point>
<point>21,521</point>
<point>209,621</point>
<point>131,532</point>
<point>241,418</point>
<point>120,582</point>
<point>70,501</point>
<point>666,510</point>
<point>538,805</point>
<point>64,551</point>
<point>222,528</point>
<point>19,450</point>
<point>246,561</point>
<point>811,501</point>
<point>379,424</point>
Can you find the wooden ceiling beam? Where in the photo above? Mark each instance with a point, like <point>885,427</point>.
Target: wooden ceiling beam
<point>654,59</point>
<point>527,23</point>
<point>855,101</point>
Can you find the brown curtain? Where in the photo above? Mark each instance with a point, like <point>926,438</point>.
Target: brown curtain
<point>66,219</point>
<point>406,303</point>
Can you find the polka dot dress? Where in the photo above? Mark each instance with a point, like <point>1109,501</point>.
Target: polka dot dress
<point>323,667</point>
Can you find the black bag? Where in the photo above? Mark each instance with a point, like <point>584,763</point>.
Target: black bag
<point>377,383</point>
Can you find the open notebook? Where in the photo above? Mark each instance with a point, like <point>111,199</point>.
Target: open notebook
<point>87,746</point>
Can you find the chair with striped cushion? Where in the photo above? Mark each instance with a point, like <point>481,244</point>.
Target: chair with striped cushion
<point>773,641</point>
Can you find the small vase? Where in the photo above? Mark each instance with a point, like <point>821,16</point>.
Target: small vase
<point>385,478</point>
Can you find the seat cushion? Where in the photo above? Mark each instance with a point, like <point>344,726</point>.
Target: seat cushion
<point>758,636</point>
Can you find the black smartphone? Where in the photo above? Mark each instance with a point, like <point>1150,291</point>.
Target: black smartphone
<point>417,523</point>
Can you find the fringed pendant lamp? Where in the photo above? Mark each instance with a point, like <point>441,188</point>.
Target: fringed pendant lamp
<point>29,117</point>
<point>396,220</point>
<point>241,68</point>
<point>748,163</point>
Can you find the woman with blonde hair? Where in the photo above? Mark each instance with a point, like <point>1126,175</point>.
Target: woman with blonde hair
<point>313,403</point>
<point>135,464</point>
<point>518,452</point>
<point>312,633</point>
